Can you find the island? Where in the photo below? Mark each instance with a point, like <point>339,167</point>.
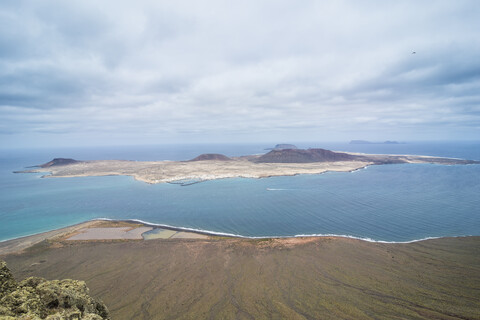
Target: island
<point>282,146</point>
<point>283,162</point>
<point>370,142</point>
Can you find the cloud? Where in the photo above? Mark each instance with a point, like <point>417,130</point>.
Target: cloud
<point>182,70</point>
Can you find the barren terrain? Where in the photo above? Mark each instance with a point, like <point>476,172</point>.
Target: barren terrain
<point>300,278</point>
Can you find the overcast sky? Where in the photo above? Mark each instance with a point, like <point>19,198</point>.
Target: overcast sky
<point>139,72</point>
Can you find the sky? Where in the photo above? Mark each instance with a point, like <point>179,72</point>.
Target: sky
<point>79,73</point>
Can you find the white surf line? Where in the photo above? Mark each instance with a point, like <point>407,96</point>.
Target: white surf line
<point>217,233</point>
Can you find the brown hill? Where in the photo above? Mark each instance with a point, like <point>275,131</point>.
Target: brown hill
<point>300,278</point>
<point>304,156</point>
<point>211,156</point>
<point>58,162</point>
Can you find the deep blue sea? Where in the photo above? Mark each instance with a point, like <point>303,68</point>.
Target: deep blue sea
<point>398,203</point>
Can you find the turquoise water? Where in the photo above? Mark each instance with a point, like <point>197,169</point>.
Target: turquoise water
<point>385,203</point>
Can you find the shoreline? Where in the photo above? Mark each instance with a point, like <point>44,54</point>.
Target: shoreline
<point>19,244</point>
<point>313,235</point>
<point>56,230</point>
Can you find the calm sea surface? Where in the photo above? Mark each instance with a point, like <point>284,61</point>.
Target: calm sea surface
<point>387,203</point>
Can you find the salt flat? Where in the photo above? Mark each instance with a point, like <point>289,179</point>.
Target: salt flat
<point>110,233</point>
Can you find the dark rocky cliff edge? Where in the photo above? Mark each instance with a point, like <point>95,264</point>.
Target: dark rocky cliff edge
<point>211,156</point>
<point>37,298</point>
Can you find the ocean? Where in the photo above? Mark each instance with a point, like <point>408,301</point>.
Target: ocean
<point>392,203</point>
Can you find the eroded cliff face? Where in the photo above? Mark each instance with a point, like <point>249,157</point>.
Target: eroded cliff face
<point>37,298</point>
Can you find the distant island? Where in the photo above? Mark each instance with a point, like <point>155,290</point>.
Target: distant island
<point>277,162</point>
<point>282,146</point>
<point>369,142</point>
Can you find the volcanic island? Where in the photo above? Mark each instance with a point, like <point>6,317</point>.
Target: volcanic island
<point>278,162</point>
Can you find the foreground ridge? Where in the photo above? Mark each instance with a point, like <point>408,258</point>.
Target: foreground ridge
<point>295,278</point>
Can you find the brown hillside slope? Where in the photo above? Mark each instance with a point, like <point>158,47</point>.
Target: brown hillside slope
<point>314,278</point>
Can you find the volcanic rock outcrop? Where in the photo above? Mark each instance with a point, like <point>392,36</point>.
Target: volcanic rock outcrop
<point>37,298</point>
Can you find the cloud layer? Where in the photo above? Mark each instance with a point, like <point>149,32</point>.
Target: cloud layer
<point>170,71</point>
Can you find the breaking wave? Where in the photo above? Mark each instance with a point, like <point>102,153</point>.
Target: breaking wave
<point>233,235</point>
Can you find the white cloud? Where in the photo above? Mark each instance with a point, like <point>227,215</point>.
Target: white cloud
<point>190,70</point>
